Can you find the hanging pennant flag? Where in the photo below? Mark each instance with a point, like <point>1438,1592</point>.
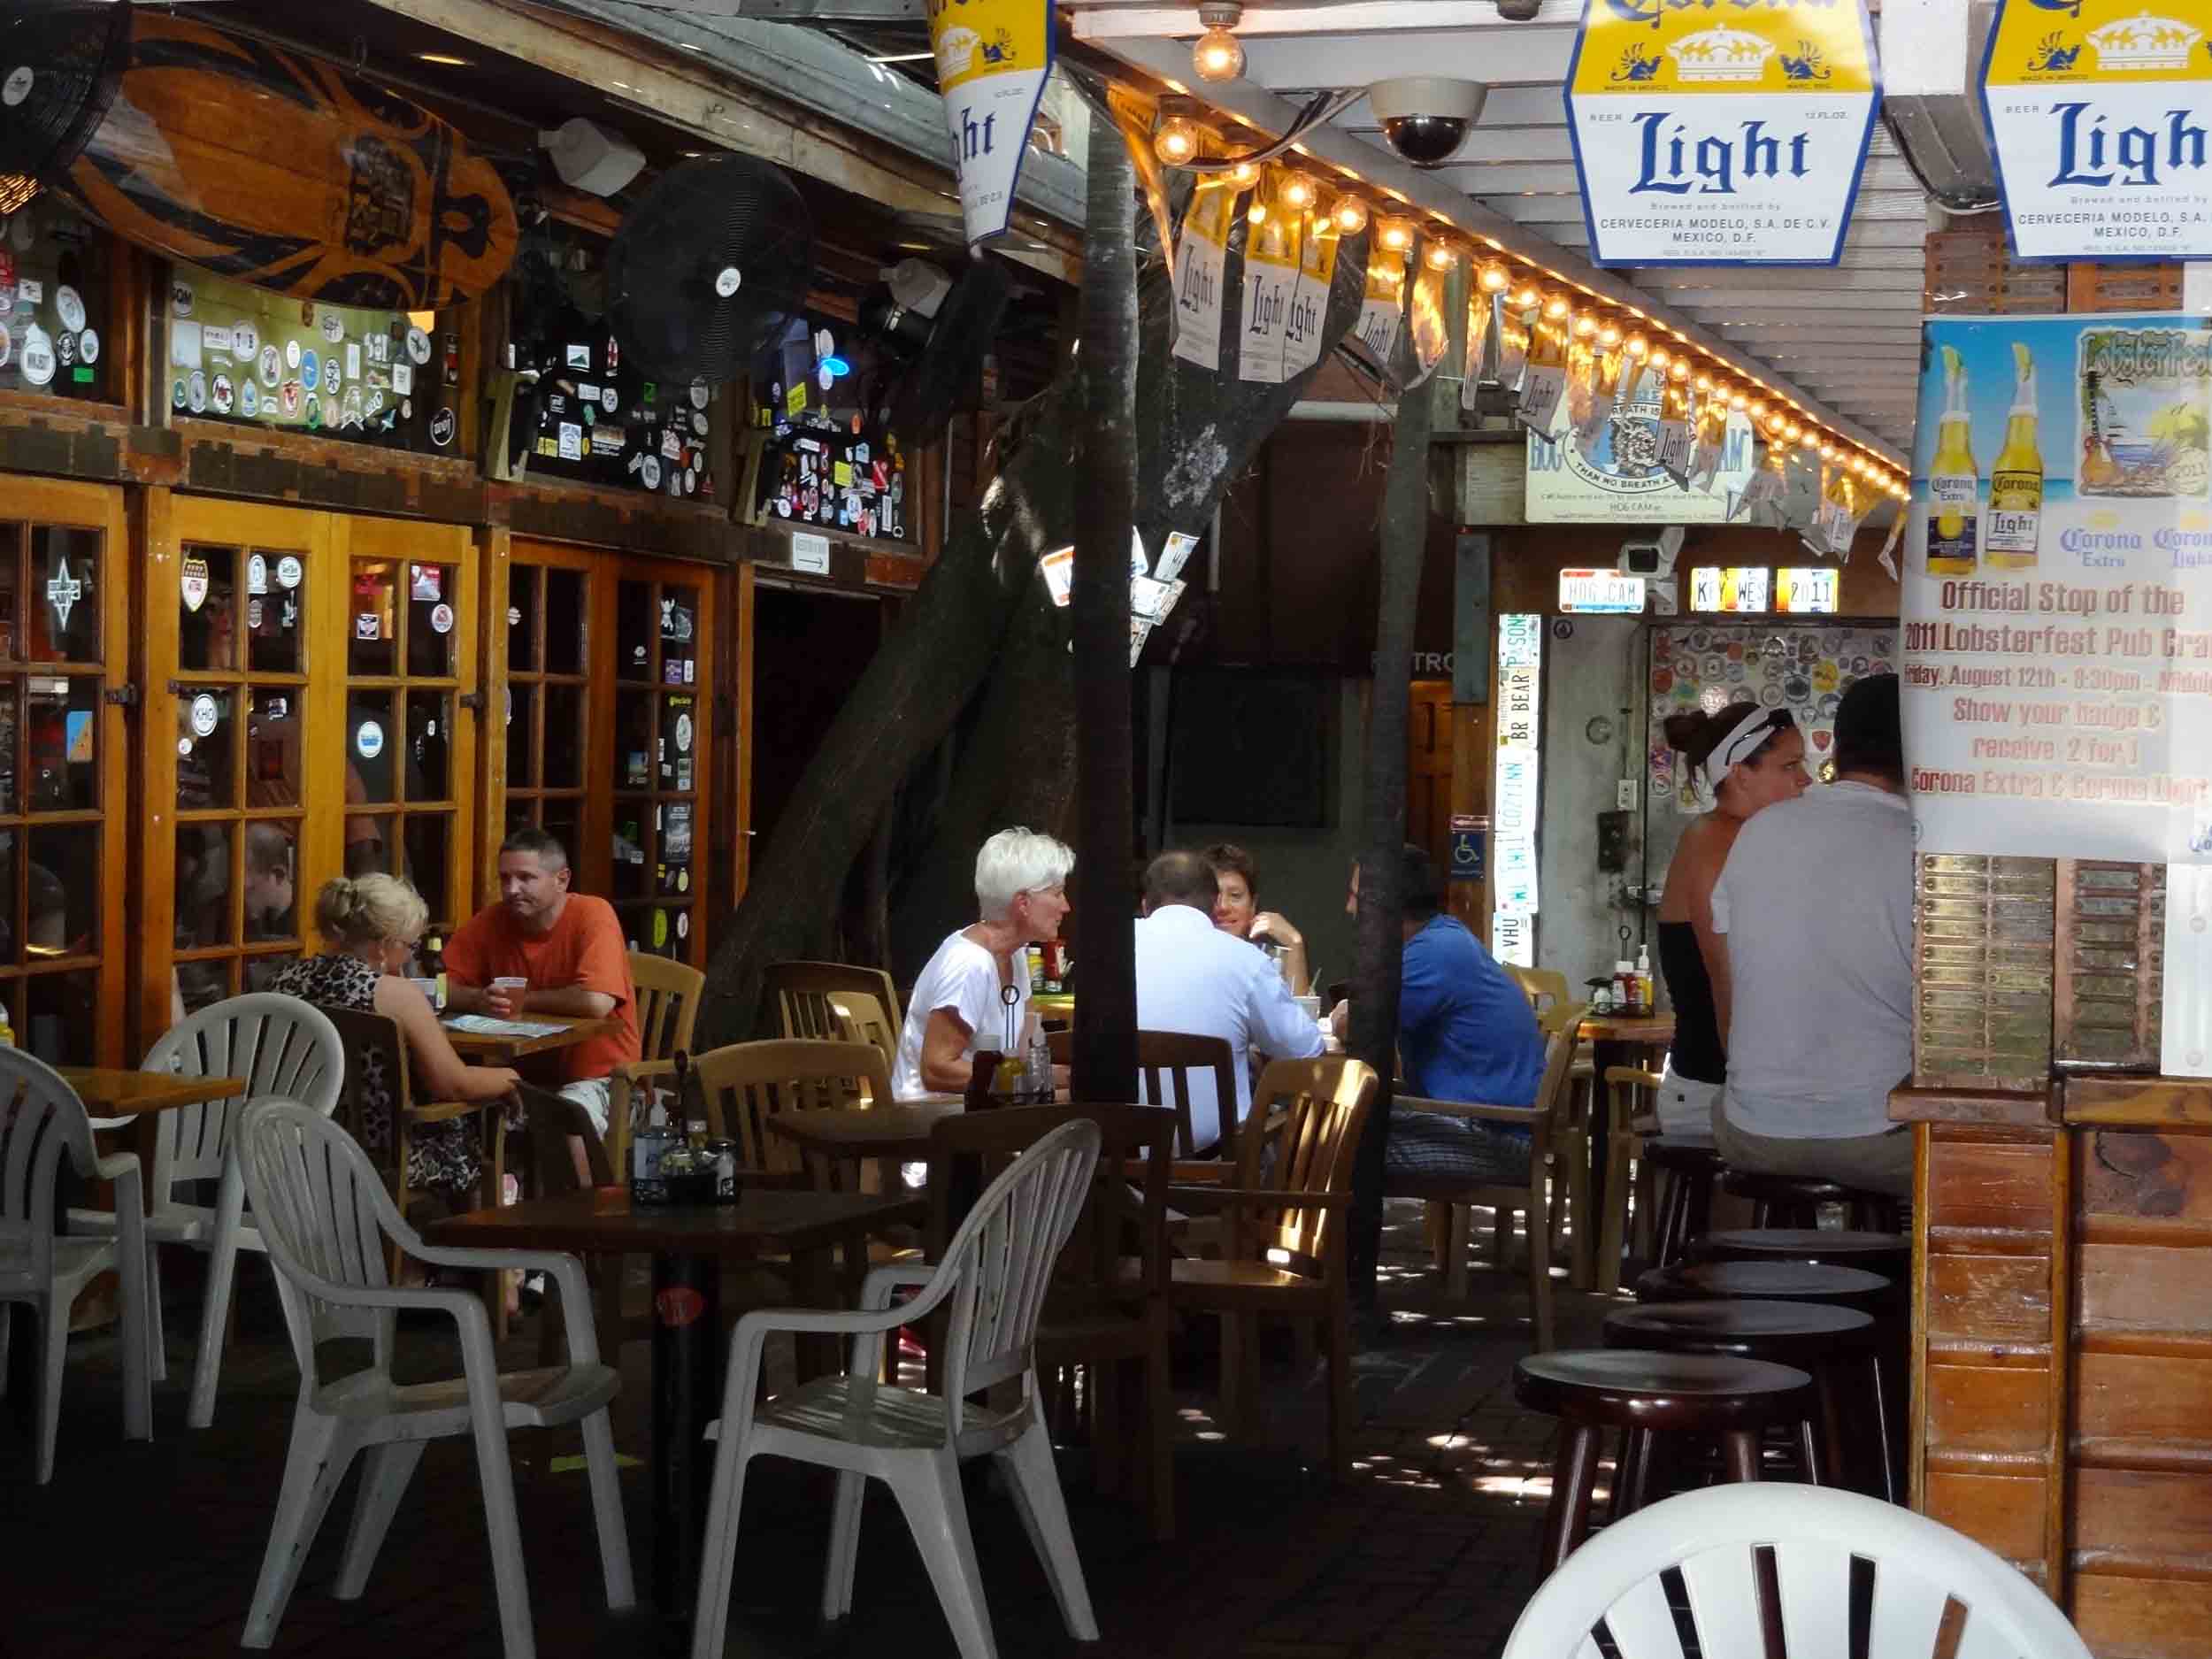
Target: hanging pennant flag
<point>1482,350</point>
<point>1509,327</point>
<point>1271,272</point>
<point>1201,259</point>
<point>1431,324</point>
<point>993,59</point>
<point>1309,300</point>
<point>1544,379</point>
<point>1705,457</point>
<point>1382,313</point>
<point>1676,427</point>
<point>1594,419</point>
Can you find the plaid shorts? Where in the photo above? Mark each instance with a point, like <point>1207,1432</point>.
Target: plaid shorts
<point>1429,1150</point>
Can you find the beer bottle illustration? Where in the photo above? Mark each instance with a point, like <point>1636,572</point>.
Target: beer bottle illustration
<point>1954,486</point>
<point>2015,478</point>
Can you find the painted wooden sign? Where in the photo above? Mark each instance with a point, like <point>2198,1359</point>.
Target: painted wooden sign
<point>286,172</point>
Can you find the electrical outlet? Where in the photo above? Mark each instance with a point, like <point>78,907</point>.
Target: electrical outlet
<point>1625,794</point>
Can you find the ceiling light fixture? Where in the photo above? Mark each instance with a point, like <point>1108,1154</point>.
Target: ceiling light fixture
<point>1218,55</point>
<point>1177,141</point>
<point>1349,215</point>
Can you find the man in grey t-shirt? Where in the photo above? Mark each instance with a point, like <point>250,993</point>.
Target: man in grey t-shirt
<point>1817,903</point>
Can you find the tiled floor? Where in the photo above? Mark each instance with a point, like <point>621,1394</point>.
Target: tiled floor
<point>1429,1550</point>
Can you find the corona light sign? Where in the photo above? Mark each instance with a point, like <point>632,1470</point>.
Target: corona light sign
<point>1707,135</point>
<point>993,59</point>
<point>2100,112</point>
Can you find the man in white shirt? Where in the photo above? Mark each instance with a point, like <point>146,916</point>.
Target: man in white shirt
<point>1193,977</point>
<point>1817,903</point>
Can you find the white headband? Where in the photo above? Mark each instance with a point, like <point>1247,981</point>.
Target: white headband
<point>1733,749</point>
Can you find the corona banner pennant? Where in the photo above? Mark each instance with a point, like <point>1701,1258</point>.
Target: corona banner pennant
<point>993,57</point>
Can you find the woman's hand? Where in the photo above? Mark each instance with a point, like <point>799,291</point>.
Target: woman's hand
<point>1274,926</point>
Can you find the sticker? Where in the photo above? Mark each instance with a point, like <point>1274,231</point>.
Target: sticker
<point>256,574</point>
<point>683,734</point>
<point>245,341</point>
<point>688,665</point>
<point>514,616</point>
<point>368,741</point>
<point>650,472</point>
<point>215,339</point>
<point>574,357</point>
<point>691,481</point>
<point>332,378</point>
<point>196,391</point>
<point>38,355</point>
<point>660,930</point>
<point>442,619</point>
<point>425,582</point>
<point>589,393</point>
<point>794,400</point>
<point>184,746</point>
<point>288,571</point>
<point>180,299</point>
<point>698,394</point>
<point>572,442</point>
<point>380,348</point>
<point>333,327</point>
<point>253,615</point>
<point>176,393</point>
<point>352,417</point>
<point>683,918</point>
<point>205,715</point>
<point>609,400</point>
<point>221,394</point>
<point>315,414</point>
<point>89,345</point>
<point>63,591</point>
<point>824,378</point>
<point>418,346</point>
<point>7,346</point>
<point>677,1306</point>
<point>699,426</point>
<point>291,354</point>
<point>271,367</point>
<point>311,371</point>
<point>65,349</point>
<point>402,378</point>
<point>375,406</point>
<point>367,625</point>
<point>29,292</point>
<point>441,424</point>
<point>18,86</point>
<point>69,306</point>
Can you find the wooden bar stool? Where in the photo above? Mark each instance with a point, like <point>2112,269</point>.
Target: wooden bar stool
<point>1839,1347</point>
<point>1795,1200</point>
<point>1767,1281</point>
<point>1590,1390</point>
<point>1687,1170</point>
<point>1888,1253</point>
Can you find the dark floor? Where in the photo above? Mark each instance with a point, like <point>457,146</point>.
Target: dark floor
<point>1429,1550</point>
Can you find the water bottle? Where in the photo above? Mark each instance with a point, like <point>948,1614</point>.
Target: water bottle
<point>1037,1078</point>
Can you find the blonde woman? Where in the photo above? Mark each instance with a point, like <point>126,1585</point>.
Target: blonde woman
<point>370,926</point>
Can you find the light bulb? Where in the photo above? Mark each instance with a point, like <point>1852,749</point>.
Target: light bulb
<point>1555,305</point>
<point>1680,373</point>
<point>1828,453</point>
<point>1218,56</point>
<point>1776,426</point>
<point>1495,278</point>
<point>1297,192</point>
<point>1257,212</point>
<point>1608,336</point>
<point>1758,408</point>
<point>1395,235</point>
<point>1439,255</point>
<point>1177,141</point>
<point>1585,325</point>
<point>1809,439</point>
<point>1640,349</point>
<point>1244,174</point>
<point>1704,383</point>
<point>1737,400</point>
<point>1349,216</point>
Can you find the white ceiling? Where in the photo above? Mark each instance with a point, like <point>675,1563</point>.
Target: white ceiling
<point>1845,339</point>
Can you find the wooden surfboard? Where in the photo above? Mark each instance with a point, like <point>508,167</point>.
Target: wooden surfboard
<point>288,172</point>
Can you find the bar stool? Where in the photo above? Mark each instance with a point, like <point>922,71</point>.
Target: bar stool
<point>1795,1200</point>
<point>1830,1343</point>
<point>1687,1168</point>
<point>1590,1390</point>
<point>1888,1253</point>
<point>1767,1281</point>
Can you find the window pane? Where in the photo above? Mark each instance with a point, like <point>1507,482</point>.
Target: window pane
<point>202,983</point>
<point>632,740</point>
<point>522,618</point>
<point>369,744</point>
<point>429,746</point>
<point>679,743</point>
<point>428,838</point>
<point>679,634</point>
<point>275,630</point>
<point>62,715</point>
<point>272,885</point>
<point>10,543</point>
<point>261,969</point>
<point>369,845</point>
<point>207,734</point>
<point>522,772</point>
<point>273,749</point>
<point>565,652</point>
<point>64,919</point>
<point>521,814</point>
<point>207,614</point>
<point>65,621</point>
<point>61,1017</point>
<point>634,630</point>
<point>631,849</point>
<point>658,929</point>
<point>563,821</point>
<point>371,636</point>
<point>203,885</point>
<point>11,797</point>
<point>11,935</point>
<point>432,614</point>
<point>564,752</point>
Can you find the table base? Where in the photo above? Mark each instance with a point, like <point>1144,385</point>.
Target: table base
<point>687,1349</point>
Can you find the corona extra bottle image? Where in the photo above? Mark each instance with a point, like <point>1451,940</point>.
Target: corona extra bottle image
<point>2015,478</point>
<point>1953,487</point>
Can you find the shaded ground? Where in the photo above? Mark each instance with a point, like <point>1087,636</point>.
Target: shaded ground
<point>1429,1550</point>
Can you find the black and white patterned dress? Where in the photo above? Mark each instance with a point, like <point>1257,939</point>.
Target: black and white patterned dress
<point>441,1157</point>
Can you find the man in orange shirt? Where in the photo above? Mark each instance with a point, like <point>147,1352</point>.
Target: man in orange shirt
<point>569,947</point>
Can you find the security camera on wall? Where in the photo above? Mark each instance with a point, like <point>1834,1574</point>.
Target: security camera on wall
<point>1425,119</point>
<point>1651,555</point>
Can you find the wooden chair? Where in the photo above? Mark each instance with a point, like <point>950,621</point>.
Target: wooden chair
<point>373,1045</point>
<point>1165,1062</point>
<point>668,996</point>
<point>1095,1317</point>
<point>1545,987</point>
<point>805,994</point>
<point>1628,1087</point>
<point>1284,1252</point>
<point>1542,1120</point>
<point>746,1083</point>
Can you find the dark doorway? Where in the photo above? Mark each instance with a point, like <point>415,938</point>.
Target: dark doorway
<point>808,649</point>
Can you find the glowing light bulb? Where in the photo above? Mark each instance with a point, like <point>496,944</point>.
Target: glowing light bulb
<point>1395,235</point>
<point>1679,373</point>
<point>1257,212</point>
<point>1737,400</point>
<point>1776,426</point>
<point>1758,408</point>
<point>1585,325</point>
<point>1297,192</point>
<point>1244,174</point>
<point>1494,278</point>
<point>1555,306</point>
<point>1639,347</point>
<point>1526,296</point>
<point>1216,56</point>
<point>1828,453</point>
<point>1704,383</point>
<point>1441,256</point>
<point>1177,141</point>
<point>1349,216</point>
<point>1809,439</point>
<point>1609,336</point>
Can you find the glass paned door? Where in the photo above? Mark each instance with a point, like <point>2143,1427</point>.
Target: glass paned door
<point>547,703</point>
<point>657,769</point>
<point>63,641</point>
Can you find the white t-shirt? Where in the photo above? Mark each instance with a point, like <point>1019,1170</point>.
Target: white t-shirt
<point>1817,901</point>
<point>962,978</point>
<point>1193,977</point>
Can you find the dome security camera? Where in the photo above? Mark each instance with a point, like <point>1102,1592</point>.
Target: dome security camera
<point>1425,119</point>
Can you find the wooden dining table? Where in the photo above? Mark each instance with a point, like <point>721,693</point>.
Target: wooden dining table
<point>688,1244</point>
<point>1616,1039</point>
<point>504,1048</point>
<point>141,1097</point>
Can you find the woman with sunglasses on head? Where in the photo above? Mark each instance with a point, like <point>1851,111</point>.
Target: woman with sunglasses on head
<point>1741,758</point>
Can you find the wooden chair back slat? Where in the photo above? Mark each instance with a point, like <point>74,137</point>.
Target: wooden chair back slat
<point>742,1087</point>
<point>1166,1062</point>
<point>802,996</point>
<point>1324,1105</point>
<point>668,994</point>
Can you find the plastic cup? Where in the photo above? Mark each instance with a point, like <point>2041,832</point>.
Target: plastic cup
<point>510,991</point>
<point>1310,1006</point>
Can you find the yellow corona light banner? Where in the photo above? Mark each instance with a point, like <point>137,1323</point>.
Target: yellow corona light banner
<point>992,58</point>
<point>2100,111</point>
<point>1730,134</point>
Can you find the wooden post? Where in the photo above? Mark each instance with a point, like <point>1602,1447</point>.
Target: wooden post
<point>1471,747</point>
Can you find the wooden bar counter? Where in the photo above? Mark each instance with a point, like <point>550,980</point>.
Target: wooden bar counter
<point>2061,1409</point>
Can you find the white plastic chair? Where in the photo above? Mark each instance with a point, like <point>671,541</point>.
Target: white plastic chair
<point>1920,1566</point>
<point>995,1271</point>
<point>325,1217</point>
<point>284,1048</point>
<point>40,1118</point>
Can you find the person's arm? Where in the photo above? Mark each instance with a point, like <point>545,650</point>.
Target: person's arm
<point>1271,925</point>
<point>945,1066</point>
<point>1709,920</point>
<point>603,974</point>
<point>1279,1028</point>
<point>439,1072</point>
<point>572,1001</point>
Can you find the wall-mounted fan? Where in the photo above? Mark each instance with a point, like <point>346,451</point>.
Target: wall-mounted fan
<point>943,352</point>
<point>707,266</point>
<point>59,65</point>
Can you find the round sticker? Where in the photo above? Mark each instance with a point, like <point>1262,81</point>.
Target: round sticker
<point>610,399</point>
<point>89,345</point>
<point>38,355</point>
<point>442,427</point>
<point>315,413</point>
<point>311,371</point>
<point>288,571</point>
<point>660,930</point>
<point>699,428</point>
<point>442,619</point>
<point>184,746</point>
<point>650,471</point>
<point>683,734</point>
<point>69,306</point>
<point>176,393</point>
<point>272,366</point>
<point>418,346</point>
<point>699,393</point>
<point>196,391</point>
<point>245,341</point>
<point>180,298</point>
<point>205,716</point>
<point>824,378</point>
<point>368,741</point>
<point>65,349</point>
<point>18,86</point>
<point>291,354</point>
<point>253,614</point>
<point>727,281</point>
<point>331,376</point>
<point>248,399</point>
<point>256,574</point>
<point>691,481</point>
<point>290,397</point>
<point>333,327</point>
<point>683,885</point>
<point>514,616</point>
<point>221,394</point>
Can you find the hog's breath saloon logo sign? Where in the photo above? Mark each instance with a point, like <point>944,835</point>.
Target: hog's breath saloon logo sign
<point>993,59</point>
<point>1731,134</point>
<point>2101,113</point>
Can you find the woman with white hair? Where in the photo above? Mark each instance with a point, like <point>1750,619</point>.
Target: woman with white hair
<point>959,1002</point>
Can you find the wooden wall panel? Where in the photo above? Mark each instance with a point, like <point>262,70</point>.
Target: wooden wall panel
<point>2000,1512</point>
<point>2127,1617</point>
<point>2003,1188</point>
<point>1995,1298</point>
<point>2143,1410</point>
<point>1979,1414</point>
<point>2143,1287</point>
<point>2156,1524</point>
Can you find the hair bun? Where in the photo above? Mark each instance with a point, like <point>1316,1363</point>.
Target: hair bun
<point>1683,730</point>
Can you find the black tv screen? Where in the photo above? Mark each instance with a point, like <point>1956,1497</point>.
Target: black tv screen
<point>1249,747</point>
